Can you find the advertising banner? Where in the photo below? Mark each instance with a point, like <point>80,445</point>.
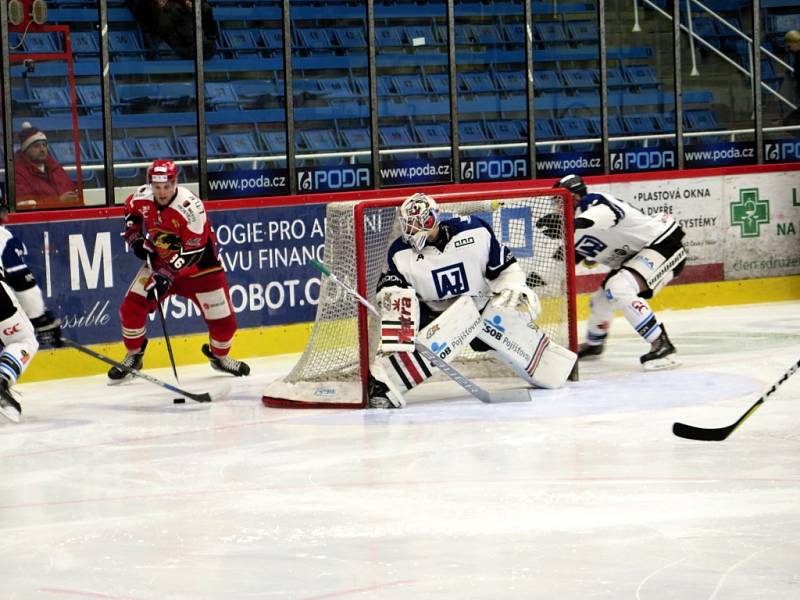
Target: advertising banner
<point>556,164</point>
<point>414,171</point>
<point>85,269</point>
<point>494,168</point>
<point>247,183</point>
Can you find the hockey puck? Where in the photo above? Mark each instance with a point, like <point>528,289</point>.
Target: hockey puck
<point>179,401</point>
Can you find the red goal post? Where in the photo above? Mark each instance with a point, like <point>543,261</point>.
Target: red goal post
<point>332,371</point>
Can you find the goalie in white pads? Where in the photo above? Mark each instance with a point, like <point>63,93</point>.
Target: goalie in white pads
<point>451,284</point>
<point>644,254</point>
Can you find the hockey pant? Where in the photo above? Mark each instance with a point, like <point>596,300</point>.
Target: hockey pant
<point>209,292</point>
<point>656,265</point>
<point>17,336</point>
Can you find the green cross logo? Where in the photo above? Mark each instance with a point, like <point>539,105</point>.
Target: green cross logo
<point>749,212</point>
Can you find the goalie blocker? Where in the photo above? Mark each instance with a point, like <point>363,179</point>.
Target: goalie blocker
<point>508,332</point>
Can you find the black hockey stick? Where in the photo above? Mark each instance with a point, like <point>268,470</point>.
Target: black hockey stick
<point>205,397</point>
<point>473,388</point>
<point>690,432</point>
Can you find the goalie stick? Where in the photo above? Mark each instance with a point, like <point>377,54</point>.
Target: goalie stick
<point>474,389</point>
<point>204,397</point>
<point>690,432</point>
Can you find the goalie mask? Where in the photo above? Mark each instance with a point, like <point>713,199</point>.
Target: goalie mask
<point>419,215</point>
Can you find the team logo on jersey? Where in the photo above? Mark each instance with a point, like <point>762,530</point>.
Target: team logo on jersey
<point>450,280</point>
<point>464,242</point>
<point>590,246</point>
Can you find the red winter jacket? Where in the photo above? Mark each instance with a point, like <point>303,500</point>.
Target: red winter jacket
<point>42,187</point>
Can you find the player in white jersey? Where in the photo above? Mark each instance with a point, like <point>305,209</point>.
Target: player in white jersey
<point>644,254</point>
<point>25,322</point>
<point>451,284</point>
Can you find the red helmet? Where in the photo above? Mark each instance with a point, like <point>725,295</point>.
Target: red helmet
<point>162,171</point>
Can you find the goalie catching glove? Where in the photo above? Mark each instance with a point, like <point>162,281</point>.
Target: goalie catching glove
<point>399,319</point>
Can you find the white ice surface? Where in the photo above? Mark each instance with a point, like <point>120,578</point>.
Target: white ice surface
<point>116,493</point>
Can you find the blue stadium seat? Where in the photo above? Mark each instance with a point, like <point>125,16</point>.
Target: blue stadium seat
<point>770,76</point>
<point>701,119</point>
<point>433,134</point>
<point>175,95</point>
<point>315,38</point>
<point>319,140</point>
<point>476,82</point>
<point>356,138</point>
<point>439,83</point>
<point>123,152</point>
<point>575,128</point>
<point>238,144</point>
<point>53,100</point>
<point>187,149</point>
<point>544,129</point>
<point>274,141</point>
<point>642,76</point>
<point>124,45</point>
<point>515,33</point>
<point>511,81</point>
<point>272,39</point>
<point>471,132</point>
<point>616,79</point>
<point>90,98</point>
<point>505,130</point>
<point>336,87</point>
<point>64,153</point>
<point>487,35</point>
<point>350,37</point>
<point>639,124</point>
<point>706,28</point>
<point>409,85</point>
<point>85,45</point>
<point>665,122</point>
<point>545,80</point>
<point>41,42</point>
<point>578,79</point>
<point>465,35</point>
<point>396,136</point>
<point>388,36</point>
<point>253,92</point>
<point>421,33</point>
<point>550,32</point>
<point>582,31</point>
<point>220,94</point>
<point>241,41</point>
<point>152,148</point>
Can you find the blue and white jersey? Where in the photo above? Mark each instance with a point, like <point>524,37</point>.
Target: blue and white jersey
<point>617,231</point>
<point>12,264</point>
<point>465,258</point>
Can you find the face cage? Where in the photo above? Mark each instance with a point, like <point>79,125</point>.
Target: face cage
<point>417,227</point>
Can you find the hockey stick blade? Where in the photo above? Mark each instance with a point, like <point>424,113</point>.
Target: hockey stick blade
<point>471,387</point>
<point>702,434</point>
<point>204,397</point>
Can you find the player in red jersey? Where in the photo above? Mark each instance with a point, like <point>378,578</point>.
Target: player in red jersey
<point>167,227</point>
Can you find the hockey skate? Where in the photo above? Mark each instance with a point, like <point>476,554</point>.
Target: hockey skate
<point>378,393</point>
<point>226,364</point>
<point>132,361</point>
<point>9,407</point>
<point>590,351</point>
<point>661,355</point>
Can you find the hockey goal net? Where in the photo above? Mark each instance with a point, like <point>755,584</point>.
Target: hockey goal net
<point>332,371</point>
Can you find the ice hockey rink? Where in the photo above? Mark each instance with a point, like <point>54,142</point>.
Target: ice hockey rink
<point>583,493</point>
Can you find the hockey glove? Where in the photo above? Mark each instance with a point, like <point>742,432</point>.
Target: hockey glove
<point>137,242</point>
<point>48,329</point>
<point>159,283</point>
<point>511,298</point>
<point>552,225</point>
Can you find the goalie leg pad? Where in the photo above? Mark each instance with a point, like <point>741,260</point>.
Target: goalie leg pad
<point>519,343</point>
<point>447,335</point>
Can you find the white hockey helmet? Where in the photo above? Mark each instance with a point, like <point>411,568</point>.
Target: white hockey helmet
<point>419,215</point>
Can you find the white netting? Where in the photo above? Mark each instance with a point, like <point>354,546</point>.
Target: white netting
<point>329,370</point>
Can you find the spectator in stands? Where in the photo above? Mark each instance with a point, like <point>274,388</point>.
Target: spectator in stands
<point>792,42</point>
<point>40,181</point>
<point>173,22</point>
